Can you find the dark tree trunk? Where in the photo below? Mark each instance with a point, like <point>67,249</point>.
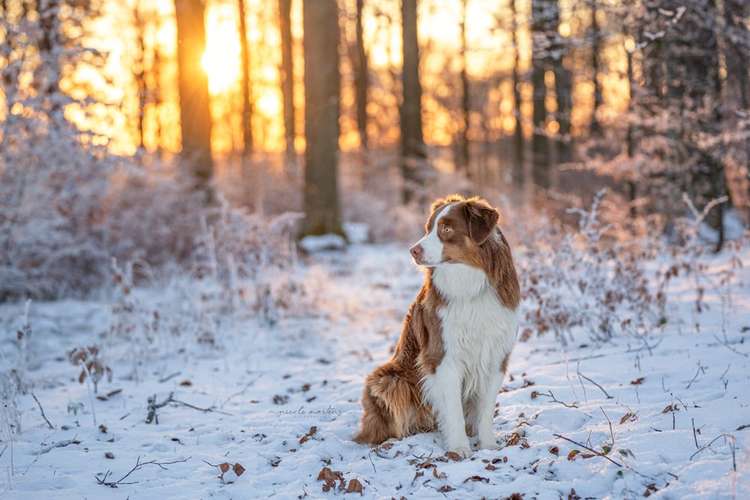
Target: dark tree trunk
<point>595,127</point>
<point>563,85</point>
<point>361,78</point>
<point>518,156</point>
<point>322,93</point>
<point>540,26</point>
<point>247,103</point>
<point>48,76</point>
<point>195,112</point>
<point>287,77</point>
<point>737,56</point>
<point>139,71</point>
<point>413,152</point>
<point>463,158</point>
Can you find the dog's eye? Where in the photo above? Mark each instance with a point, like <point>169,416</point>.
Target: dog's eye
<point>445,229</point>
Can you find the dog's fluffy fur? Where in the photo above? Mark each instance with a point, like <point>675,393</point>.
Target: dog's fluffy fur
<point>453,352</point>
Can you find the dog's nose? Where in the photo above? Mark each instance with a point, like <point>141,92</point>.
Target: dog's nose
<point>416,251</point>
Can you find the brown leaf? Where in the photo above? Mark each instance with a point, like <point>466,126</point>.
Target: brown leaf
<point>670,408</point>
<point>238,469</point>
<point>477,479</point>
<point>572,454</point>
<point>446,488</point>
<point>109,455</point>
<point>554,450</point>
<point>329,478</point>
<point>223,467</point>
<point>490,467</point>
<point>452,455</point>
<point>309,434</point>
<point>637,381</point>
<point>628,417</point>
<point>354,486</point>
<point>186,383</point>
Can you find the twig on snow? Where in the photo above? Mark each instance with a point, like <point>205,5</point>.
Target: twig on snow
<point>169,377</point>
<point>611,432</point>
<point>580,374</point>
<point>152,415</point>
<point>731,441</point>
<point>695,435</point>
<point>138,466</point>
<point>592,450</point>
<point>552,397</point>
<point>56,444</point>
<point>41,410</point>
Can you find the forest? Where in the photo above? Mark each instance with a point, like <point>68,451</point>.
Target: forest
<point>205,214</point>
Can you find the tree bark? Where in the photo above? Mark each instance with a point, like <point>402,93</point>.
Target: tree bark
<point>322,94</point>
<point>413,153</point>
<point>195,112</point>
<point>139,71</point>
<point>518,142</point>
<point>287,78</point>
<point>539,56</point>
<point>247,103</point>
<point>594,126</point>
<point>465,97</point>
<point>563,85</point>
<point>361,78</point>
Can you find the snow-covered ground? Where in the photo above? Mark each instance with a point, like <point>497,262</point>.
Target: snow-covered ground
<point>668,418</point>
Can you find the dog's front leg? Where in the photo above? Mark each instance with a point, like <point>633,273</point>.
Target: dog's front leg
<point>443,392</point>
<point>485,411</point>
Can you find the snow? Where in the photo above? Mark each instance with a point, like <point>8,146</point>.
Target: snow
<point>283,401</point>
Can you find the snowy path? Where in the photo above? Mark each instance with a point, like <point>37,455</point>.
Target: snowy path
<point>284,404</point>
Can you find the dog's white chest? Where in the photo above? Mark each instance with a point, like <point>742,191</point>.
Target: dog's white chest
<point>478,331</point>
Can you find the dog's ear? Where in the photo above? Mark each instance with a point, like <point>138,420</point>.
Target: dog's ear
<point>481,218</point>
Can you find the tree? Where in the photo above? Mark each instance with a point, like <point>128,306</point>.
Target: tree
<point>247,104</point>
<point>518,142</point>
<point>139,70</point>
<point>413,152</point>
<point>682,69</point>
<point>322,95</point>
<point>361,77</point>
<point>195,112</point>
<point>595,126</point>
<point>287,77</point>
<point>540,27</point>
<point>463,157</point>
<point>557,57</point>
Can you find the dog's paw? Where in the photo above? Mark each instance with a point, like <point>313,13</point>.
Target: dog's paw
<point>462,448</point>
<point>488,443</point>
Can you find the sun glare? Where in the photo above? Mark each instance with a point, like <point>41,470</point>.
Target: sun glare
<point>221,59</point>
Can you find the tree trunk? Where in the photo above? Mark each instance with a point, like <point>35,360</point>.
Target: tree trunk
<point>463,157</point>
<point>413,153</point>
<point>247,104</point>
<point>737,56</point>
<point>48,74</point>
<point>361,79</point>
<point>563,85</point>
<point>518,156</point>
<point>539,57</point>
<point>322,93</point>
<point>287,78</point>
<point>595,127</point>
<point>195,112</point>
<point>139,71</point>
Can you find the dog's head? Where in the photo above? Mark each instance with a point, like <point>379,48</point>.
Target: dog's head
<point>455,231</point>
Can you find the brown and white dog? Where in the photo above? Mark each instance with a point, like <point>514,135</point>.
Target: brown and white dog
<point>453,352</point>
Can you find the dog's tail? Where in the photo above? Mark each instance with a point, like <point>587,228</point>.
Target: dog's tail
<point>390,406</point>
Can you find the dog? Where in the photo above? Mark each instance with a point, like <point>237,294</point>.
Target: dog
<point>457,337</point>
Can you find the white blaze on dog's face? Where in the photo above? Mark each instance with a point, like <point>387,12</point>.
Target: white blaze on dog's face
<point>454,232</point>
